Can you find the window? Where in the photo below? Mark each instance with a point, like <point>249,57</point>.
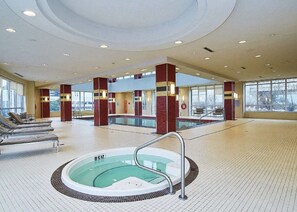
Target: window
<point>271,95</point>
<point>54,100</point>
<point>207,97</point>
<point>11,97</point>
<point>82,101</point>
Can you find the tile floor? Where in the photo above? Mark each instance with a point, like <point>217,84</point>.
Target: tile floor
<point>245,165</point>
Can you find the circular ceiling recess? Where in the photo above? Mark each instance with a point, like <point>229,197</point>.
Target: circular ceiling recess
<point>127,24</point>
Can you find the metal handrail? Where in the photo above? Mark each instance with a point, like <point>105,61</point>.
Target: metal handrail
<point>208,114</point>
<point>182,142</point>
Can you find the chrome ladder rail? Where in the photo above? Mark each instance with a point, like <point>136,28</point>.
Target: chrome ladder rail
<point>182,142</point>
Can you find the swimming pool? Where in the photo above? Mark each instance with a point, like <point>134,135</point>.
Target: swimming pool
<point>113,172</point>
<point>150,122</point>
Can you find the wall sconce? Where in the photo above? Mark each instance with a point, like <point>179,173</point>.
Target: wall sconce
<point>235,96</point>
<point>148,99</point>
<point>104,94</point>
<point>172,88</point>
<point>46,99</point>
<point>67,96</point>
<point>176,97</point>
<point>183,98</point>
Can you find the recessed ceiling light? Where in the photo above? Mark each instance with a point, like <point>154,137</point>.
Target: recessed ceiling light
<point>66,54</point>
<point>258,55</point>
<point>29,13</point>
<point>242,41</point>
<point>74,73</point>
<point>10,30</point>
<point>44,64</point>
<point>178,42</point>
<point>198,74</point>
<point>103,46</point>
<point>127,73</point>
<point>273,71</point>
<point>177,68</point>
<point>225,66</point>
<point>127,59</point>
<point>5,64</point>
<point>238,72</point>
<point>267,64</point>
<point>207,58</point>
<point>144,69</point>
<point>96,67</point>
<point>212,78</point>
<point>113,75</point>
<point>89,80</point>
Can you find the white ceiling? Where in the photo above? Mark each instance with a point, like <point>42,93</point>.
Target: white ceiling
<point>146,33</point>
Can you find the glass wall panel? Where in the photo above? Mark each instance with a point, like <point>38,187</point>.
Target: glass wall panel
<point>88,101</point>
<point>75,101</point>
<point>271,95</point>
<point>206,97</point>
<point>11,97</point>
<point>54,100</point>
<point>251,97</point>
<point>291,103</point>
<point>278,95</point>
<point>264,96</point>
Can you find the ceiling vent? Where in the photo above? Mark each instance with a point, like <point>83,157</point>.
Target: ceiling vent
<point>19,75</point>
<point>208,49</point>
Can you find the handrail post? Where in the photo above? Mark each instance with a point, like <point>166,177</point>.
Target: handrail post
<point>182,142</point>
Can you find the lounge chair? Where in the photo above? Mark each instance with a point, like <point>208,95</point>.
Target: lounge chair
<point>17,118</point>
<point>11,125</point>
<point>31,139</point>
<point>6,132</point>
<point>218,112</point>
<point>199,111</point>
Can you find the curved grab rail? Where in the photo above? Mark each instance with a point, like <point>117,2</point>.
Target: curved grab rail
<point>182,142</point>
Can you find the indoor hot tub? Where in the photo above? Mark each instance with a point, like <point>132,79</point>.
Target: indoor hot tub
<point>113,172</point>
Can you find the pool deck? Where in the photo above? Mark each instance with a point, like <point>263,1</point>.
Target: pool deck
<point>244,165</point>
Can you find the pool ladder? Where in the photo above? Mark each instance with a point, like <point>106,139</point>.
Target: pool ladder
<point>182,148</point>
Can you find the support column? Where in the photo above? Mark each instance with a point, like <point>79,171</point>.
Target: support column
<point>138,103</point>
<point>44,103</point>
<point>166,100</point>
<point>65,103</point>
<point>100,101</point>
<point>177,101</point>
<point>111,103</point>
<point>229,101</point>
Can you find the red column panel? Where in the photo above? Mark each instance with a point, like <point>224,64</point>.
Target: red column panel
<point>111,103</point>
<point>44,103</point>
<point>229,102</point>
<point>100,101</point>
<point>138,103</point>
<point>166,101</point>
<point>65,103</point>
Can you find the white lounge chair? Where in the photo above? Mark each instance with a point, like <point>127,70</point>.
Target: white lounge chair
<point>31,139</point>
<point>11,125</point>
<point>19,120</point>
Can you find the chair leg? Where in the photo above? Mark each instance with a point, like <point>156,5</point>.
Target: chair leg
<point>57,145</point>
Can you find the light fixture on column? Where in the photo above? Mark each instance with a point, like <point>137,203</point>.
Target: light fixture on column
<point>172,88</point>
<point>68,97</point>
<point>235,96</point>
<point>176,97</point>
<point>104,94</point>
<point>183,98</point>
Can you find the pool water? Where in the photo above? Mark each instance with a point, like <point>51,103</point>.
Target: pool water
<point>104,172</point>
<point>150,122</point>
